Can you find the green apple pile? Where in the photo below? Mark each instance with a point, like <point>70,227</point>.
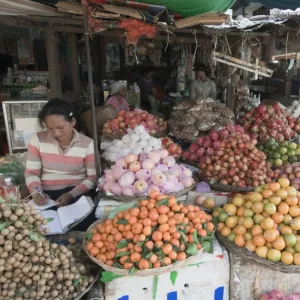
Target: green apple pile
<point>279,154</point>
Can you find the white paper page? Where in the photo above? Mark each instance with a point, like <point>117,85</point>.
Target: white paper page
<point>50,203</point>
<point>74,212</point>
<point>28,126</point>
<point>54,226</point>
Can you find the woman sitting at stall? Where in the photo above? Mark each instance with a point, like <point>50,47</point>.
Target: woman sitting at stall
<point>117,96</point>
<point>60,161</point>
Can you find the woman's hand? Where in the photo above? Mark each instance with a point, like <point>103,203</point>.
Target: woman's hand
<point>64,200</point>
<point>40,198</point>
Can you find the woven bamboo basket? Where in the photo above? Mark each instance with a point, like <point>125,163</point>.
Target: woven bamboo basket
<point>129,198</point>
<point>253,258</point>
<point>141,273</point>
<point>79,237</point>
<point>224,187</point>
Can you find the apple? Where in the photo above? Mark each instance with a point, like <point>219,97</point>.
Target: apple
<point>140,187</point>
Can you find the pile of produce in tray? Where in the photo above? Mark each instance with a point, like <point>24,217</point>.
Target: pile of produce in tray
<point>268,121</point>
<point>136,141</point>
<point>207,146</point>
<point>277,295</point>
<point>136,175</point>
<point>156,233</point>
<point>132,119</point>
<point>280,153</point>
<point>265,222</point>
<point>174,149</point>
<point>292,172</point>
<point>190,118</point>
<point>30,266</point>
<point>229,156</point>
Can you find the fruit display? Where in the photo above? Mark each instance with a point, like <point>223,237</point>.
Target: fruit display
<point>174,149</point>
<point>136,141</point>
<point>265,222</point>
<point>136,175</point>
<point>30,266</point>
<point>132,119</point>
<point>293,111</point>
<point>207,146</point>
<point>292,172</point>
<point>277,295</point>
<point>230,157</point>
<point>281,152</point>
<point>268,121</point>
<point>190,118</point>
<point>157,232</point>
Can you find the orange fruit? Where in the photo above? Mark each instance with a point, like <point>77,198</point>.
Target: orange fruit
<point>262,251</point>
<point>167,261</point>
<point>240,240</point>
<point>149,245</point>
<point>166,236</point>
<point>135,257</point>
<point>231,222</point>
<point>267,223</point>
<point>286,230</point>
<point>291,200</point>
<point>144,264</point>
<point>128,265</point>
<point>89,246</point>
<point>250,246</point>
<point>153,215</point>
<point>270,235</point>
<point>132,220</point>
<point>274,186</point>
<point>101,257</point>
<point>287,258</point>
<point>148,230</point>
<point>267,193</point>
<point>134,212</point>
<point>171,201</point>
<point>153,258</point>
<point>157,236</point>
<point>240,230</point>
<point>297,259</point>
<point>279,243</point>
<point>258,207</point>
<point>164,228</point>
<point>278,217</point>
<point>94,251</point>
<point>99,244</point>
<point>294,211</point>
<point>162,219</point>
<point>166,249</point>
<point>96,237</point>
<point>173,255</point>
<point>256,230</point>
<point>274,255</point>
<point>259,240</point>
<point>248,222</point>
<point>225,231</point>
<point>181,256</point>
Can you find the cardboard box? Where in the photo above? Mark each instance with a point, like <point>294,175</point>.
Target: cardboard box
<point>206,279</point>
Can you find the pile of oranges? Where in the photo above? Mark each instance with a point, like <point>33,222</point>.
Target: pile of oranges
<point>266,221</point>
<point>157,232</point>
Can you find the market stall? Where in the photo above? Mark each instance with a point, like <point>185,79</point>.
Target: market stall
<point>201,203</point>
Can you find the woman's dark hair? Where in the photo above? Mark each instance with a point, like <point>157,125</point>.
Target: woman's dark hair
<point>56,106</point>
<point>146,71</point>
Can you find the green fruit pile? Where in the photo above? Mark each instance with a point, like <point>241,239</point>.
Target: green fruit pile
<point>280,153</point>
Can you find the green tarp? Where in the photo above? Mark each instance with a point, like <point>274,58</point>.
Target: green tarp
<point>188,8</point>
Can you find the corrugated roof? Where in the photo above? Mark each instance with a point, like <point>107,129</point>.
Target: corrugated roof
<point>25,8</point>
<point>283,4</point>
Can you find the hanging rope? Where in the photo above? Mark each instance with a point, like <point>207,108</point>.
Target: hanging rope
<point>197,46</point>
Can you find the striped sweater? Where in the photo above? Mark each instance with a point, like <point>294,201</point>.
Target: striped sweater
<point>48,167</point>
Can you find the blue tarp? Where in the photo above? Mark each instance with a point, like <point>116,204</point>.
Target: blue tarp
<point>281,4</point>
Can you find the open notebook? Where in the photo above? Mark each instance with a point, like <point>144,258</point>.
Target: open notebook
<point>65,218</point>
